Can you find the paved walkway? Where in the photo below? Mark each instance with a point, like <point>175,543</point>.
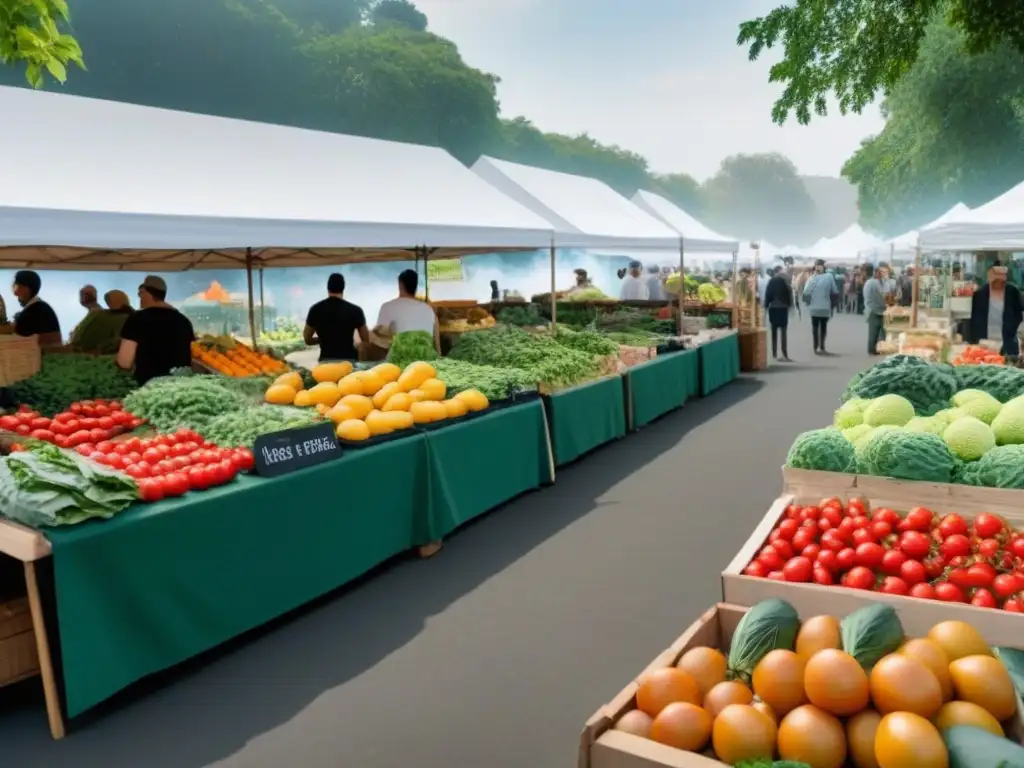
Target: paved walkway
<point>496,651</point>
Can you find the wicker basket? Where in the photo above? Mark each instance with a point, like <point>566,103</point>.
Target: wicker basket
<point>18,656</point>
<point>20,358</point>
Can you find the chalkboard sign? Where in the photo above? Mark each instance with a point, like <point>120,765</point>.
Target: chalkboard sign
<point>282,452</point>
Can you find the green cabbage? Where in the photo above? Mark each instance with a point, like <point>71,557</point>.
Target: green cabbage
<point>822,449</point>
<point>930,424</point>
<point>1008,426</point>
<point>871,632</point>
<point>906,455</point>
<point>850,413</point>
<point>969,438</point>
<point>893,410</point>
<point>769,626</point>
<point>983,407</point>
<point>853,434</point>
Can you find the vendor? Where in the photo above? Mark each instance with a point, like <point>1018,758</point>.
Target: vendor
<point>655,287</point>
<point>334,322</point>
<point>407,313</point>
<point>100,332</point>
<point>996,312</point>
<point>157,338</point>
<point>633,286</point>
<point>36,318</point>
<point>582,281</point>
<point>118,303</point>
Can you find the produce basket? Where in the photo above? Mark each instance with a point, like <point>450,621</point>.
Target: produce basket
<point>20,358</point>
<point>802,487</point>
<point>602,746</point>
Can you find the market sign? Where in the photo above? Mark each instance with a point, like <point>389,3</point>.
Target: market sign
<point>282,452</point>
<point>445,270</point>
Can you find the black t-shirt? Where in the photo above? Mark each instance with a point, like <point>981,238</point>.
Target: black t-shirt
<point>164,337</point>
<point>37,317</point>
<point>335,322</point>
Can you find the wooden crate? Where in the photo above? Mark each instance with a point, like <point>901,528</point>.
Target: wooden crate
<point>917,616</point>
<point>20,358</point>
<point>603,747</point>
<point>19,658</point>
<point>753,349</point>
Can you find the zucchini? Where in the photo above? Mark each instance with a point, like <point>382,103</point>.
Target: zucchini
<point>768,626</point>
<point>871,632</point>
<point>971,747</point>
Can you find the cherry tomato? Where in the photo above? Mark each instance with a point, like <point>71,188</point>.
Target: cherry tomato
<point>105,422</point>
<point>892,561</point>
<point>175,484</point>
<point>880,529</point>
<point>893,585</point>
<point>42,434</point>
<point>981,575</point>
<point>847,558</point>
<point>861,521</point>
<point>199,478</point>
<point>855,507</point>
<point>784,548</point>
<point>913,572</point>
<point>756,568</point>
<point>845,529</point>
<point>810,513</point>
<point>960,577</point>
<point>1014,605</point>
<point>61,441</point>
<point>114,460</point>
<point>989,548</point>
<point>1005,585</point>
<point>954,545</point>
<point>244,460</point>
<point>152,455</point>
<point>793,511</point>
<point>870,555</point>
<point>810,551</point>
<point>831,501</point>
<point>822,575</point>
<point>949,593</point>
<point>136,472</point>
<point>863,536</point>
<point>803,537</point>
<point>828,559</point>
<point>834,515</point>
<point>951,524</point>
<point>924,591</point>
<point>824,524</point>
<point>1016,546</point>
<point>915,545</point>
<point>179,449</point>
<point>151,489</point>
<point>860,578</point>
<point>797,569</point>
<point>8,422</point>
<point>776,576</point>
<point>983,599</point>
<point>832,540</point>
<point>228,470</point>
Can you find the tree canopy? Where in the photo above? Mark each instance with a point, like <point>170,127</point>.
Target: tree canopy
<point>30,34</point>
<point>371,68</point>
<point>954,133</point>
<point>854,49</point>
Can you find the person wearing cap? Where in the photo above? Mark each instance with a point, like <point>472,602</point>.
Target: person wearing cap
<point>157,338</point>
<point>36,318</point>
<point>818,293</point>
<point>334,322</point>
<point>633,286</point>
<point>655,288</point>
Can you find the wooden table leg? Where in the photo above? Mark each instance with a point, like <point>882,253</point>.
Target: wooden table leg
<point>50,691</point>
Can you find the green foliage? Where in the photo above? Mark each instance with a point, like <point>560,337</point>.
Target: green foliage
<point>30,34</point>
<point>954,133</point>
<point>412,346</point>
<point>399,12</point>
<point>856,48</point>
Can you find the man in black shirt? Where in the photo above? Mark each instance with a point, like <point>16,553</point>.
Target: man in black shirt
<point>333,323</point>
<point>158,337</point>
<point>36,318</point>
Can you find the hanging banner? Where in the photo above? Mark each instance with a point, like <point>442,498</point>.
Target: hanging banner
<point>445,270</point>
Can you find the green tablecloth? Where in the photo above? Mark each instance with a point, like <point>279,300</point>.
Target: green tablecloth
<point>481,463</point>
<point>164,582</point>
<point>584,417</point>
<point>659,386</point>
<point>719,363</point>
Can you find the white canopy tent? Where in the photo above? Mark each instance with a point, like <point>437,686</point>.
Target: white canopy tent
<point>996,226</point>
<point>94,185</point>
<point>845,246</point>
<point>584,212</point>
<point>905,245</point>
<point>696,237</point>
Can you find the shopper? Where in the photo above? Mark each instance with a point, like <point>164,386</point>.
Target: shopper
<point>874,306</point>
<point>407,313</point>
<point>818,293</point>
<point>157,338</point>
<point>36,318</point>
<point>118,303</point>
<point>334,322</point>
<point>996,312</point>
<point>655,288</point>
<point>779,298</point>
<point>633,286</point>
<point>837,300</point>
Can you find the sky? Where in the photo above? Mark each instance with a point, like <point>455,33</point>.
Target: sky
<point>664,78</point>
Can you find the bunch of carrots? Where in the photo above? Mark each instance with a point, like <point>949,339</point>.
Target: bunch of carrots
<point>977,355</point>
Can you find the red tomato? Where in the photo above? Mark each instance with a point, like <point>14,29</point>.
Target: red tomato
<point>989,548</point>
<point>166,440</point>
<point>102,411</point>
<point>846,528</point>
<point>960,577</point>
<point>1016,546</point>
<point>847,558</point>
<point>810,513</point>
<point>797,569</point>
<point>179,449</point>
<point>136,423</point>
<point>870,555</point>
<point>810,551</point>
<point>135,472</point>
<point>16,448</point>
<point>1005,585</point>
<point>981,575</point>
<point>831,501</point>
<point>919,519</point>
<point>855,507</point>
<point>175,484</point>
<point>892,561</point>
<point>9,422</point>
<point>880,529</point>
<point>61,441</point>
<point>824,524</point>
<point>784,548</point>
<point>861,521</point>
<point>893,585</point>
<point>89,423</point>
<point>935,566</point>
<point>104,446</point>
<point>144,467</point>
<point>178,463</point>
<point>151,489</point>
<point>227,470</point>
<point>822,575</point>
<point>803,537</point>
<point>793,512</point>
<point>73,426</point>
<point>949,593</point>
<point>983,599</point>
<point>23,429</point>
<point>244,460</point>
<point>915,545</point>
<point>105,422</point>
<point>133,457</point>
<point>863,536</point>
<point>924,591</point>
<point>755,568</point>
<point>163,449</point>
<point>1014,605</point>
<point>987,526</point>
<point>828,559</point>
<point>913,572</point>
<point>97,435</point>
<point>152,455</point>
<point>114,460</point>
<point>955,545</point>
<point>114,405</point>
<point>834,515</point>
<point>776,576</point>
<point>76,408</point>
<point>860,578</point>
<point>951,524</point>
<point>42,434</point>
<point>832,540</point>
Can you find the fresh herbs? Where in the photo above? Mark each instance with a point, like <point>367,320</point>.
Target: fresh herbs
<point>495,383</point>
<point>67,378</point>
<point>411,346</point>
<point>242,427</point>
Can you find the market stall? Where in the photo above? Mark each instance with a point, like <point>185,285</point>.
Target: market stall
<point>719,362</point>
<point>585,417</point>
<point>661,385</point>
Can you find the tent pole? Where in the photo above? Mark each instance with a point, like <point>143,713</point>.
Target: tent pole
<point>735,297</point>
<point>426,274</point>
<point>263,324</point>
<point>252,310</point>
<point>682,287</point>
<point>554,303</point>
<point>916,290</point>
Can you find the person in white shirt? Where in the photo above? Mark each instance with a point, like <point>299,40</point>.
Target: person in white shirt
<point>633,287</point>
<point>655,288</point>
<point>407,313</point>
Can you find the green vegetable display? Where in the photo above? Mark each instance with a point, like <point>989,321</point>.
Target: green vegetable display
<point>709,293</point>
<point>928,387</point>
<point>183,401</point>
<point>538,354</point>
<point>238,428</point>
<point>1001,467</point>
<point>525,314</point>
<point>495,383</point>
<point>906,455</point>
<point>768,626</point>
<point>1001,382</point>
<point>822,449</point>
<point>410,346</point>
<point>871,632</point>
<point>67,378</point>
<point>47,486</point>
<point>588,342</point>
